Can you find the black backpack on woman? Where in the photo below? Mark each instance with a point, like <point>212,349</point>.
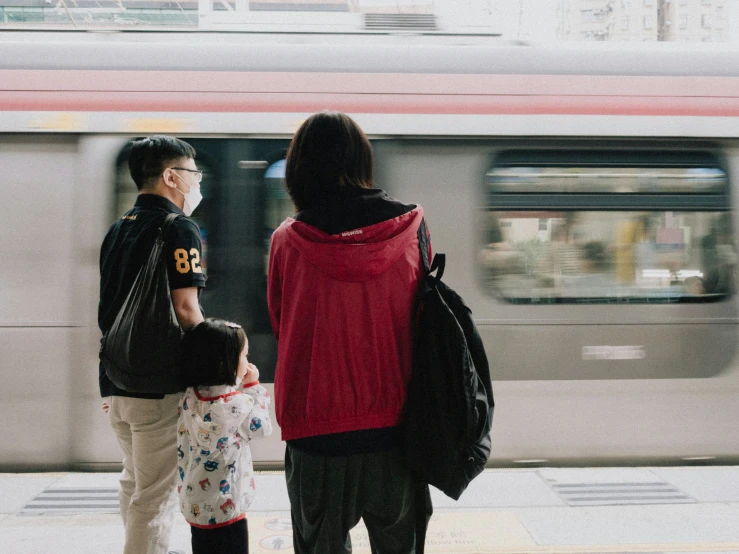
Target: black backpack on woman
<point>449,411</point>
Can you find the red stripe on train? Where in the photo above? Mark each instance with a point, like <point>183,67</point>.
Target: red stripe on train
<point>366,103</point>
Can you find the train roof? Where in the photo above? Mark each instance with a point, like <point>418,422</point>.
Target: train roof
<point>269,52</point>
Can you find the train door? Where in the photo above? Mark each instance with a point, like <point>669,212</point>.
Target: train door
<point>37,320</point>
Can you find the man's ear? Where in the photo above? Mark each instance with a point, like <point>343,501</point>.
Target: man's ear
<point>169,178</point>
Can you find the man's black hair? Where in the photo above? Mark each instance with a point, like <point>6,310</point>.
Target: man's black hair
<point>150,156</point>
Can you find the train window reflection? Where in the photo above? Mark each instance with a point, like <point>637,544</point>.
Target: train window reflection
<point>279,204</point>
<point>615,180</point>
<point>572,243</point>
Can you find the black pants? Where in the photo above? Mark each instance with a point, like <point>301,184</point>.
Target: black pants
<point>231,539</point>
<point>330,494</point>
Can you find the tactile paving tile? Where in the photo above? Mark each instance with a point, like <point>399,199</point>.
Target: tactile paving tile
<point>620,494</point>
<point>71,501</point>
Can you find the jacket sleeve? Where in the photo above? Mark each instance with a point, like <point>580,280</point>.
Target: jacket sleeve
<point>274,287</point>
<point>257,422</point>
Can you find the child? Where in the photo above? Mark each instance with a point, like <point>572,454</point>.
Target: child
<point>223,408</point>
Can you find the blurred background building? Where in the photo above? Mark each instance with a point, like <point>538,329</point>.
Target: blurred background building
<point>527,20</point>
<point>185,12</point>
<point>321,15</point>
<point>646,20</point>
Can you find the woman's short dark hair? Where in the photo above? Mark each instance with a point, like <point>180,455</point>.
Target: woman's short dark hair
<point>327,154</point>
<point>210,353</point>
<point>149,156</point>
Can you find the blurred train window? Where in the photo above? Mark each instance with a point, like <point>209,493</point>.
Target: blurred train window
<point>126,193</point>
<point>593,227</point>
<point>279,204</point>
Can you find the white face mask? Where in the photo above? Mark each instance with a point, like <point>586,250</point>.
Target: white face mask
<point>192,198</point>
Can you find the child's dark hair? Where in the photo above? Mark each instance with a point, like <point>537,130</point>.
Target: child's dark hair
<point>210,353</point>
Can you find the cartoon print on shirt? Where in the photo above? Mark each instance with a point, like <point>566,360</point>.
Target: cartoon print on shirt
<point>195,510</point>
<point>210,465</point>
<point>180,453</point>
<point>225,486</point>
<point>205,484</point>
<point>212,521</point>
<point>215,428</point>
<point>207,507</point>
<point>181,430</point>
<point>182,473</point>
<point>228,507</point>
<point>231,467</point>
<point>188,490</point>
<point>222,444</point>
<point>204,436</point>
<point>208,417</point>
<point>195,463</point>
<point>255,424</point>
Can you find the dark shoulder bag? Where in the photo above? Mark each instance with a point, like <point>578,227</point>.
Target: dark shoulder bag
<point>449,411</point>
<point>140,351</point>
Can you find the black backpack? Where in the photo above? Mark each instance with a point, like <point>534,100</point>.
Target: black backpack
<point>449,411</point>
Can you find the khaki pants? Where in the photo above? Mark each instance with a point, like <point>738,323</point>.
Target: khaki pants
<point>147,433</point>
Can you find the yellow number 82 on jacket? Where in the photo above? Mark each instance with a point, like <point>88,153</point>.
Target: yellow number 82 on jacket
<point>185,263</point>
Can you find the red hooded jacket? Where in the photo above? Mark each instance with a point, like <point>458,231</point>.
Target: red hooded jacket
<point>341,308</point>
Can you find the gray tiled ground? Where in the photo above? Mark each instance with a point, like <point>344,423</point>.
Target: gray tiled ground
<point>16,490</point>
<point>598,475</point>
<point>520,506</point>
<point>714,523</point>
<point>705,484</point>
<point>499,489</point>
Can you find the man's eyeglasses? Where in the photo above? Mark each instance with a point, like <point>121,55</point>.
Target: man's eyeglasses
<point>197,172</point>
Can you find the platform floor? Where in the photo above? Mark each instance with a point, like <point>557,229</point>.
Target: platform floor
<point>676,509</point>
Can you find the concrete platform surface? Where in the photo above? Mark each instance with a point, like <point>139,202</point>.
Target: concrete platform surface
<point>613,510</point>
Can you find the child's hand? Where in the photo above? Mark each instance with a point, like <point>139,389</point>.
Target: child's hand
<point>252,374</point>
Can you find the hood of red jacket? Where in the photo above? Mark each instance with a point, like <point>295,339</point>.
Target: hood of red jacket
<point>360,254</point>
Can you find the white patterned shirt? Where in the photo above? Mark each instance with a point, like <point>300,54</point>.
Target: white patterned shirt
<point>215,480</point>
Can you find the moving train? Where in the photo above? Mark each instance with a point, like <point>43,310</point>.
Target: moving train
<point>586,199</point>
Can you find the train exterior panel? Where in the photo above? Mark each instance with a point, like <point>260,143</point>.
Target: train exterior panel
<point>586,203</point>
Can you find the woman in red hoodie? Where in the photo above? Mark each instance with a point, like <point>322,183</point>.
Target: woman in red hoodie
<point>343,276</point>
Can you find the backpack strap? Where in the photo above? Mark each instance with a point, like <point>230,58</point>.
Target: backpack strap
<point>437,264</point>
<point>423,244</point>
<point>164,229</point>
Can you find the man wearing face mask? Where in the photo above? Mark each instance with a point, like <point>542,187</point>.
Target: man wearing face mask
<point>145,425</point>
